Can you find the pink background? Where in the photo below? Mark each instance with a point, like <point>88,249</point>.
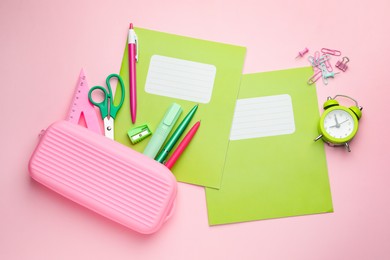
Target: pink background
<point>44,44</point>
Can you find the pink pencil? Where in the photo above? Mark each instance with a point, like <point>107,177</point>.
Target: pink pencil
<point>133,57</point>
<point>182,146</point>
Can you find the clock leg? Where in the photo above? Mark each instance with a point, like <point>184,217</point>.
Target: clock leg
<point>318,138</point>
<point>347,146</point>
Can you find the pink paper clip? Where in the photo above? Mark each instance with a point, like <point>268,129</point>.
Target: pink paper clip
<point>331,52</point>
<point>342,65</point>
<point>328,65</point>
<point>316,76</point>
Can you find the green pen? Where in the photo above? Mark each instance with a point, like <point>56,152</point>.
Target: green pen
<point>176,135</point>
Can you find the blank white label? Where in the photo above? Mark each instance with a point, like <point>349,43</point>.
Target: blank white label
<point>180,79</point>
<point>263,116</point>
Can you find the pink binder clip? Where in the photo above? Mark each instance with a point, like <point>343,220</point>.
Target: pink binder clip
<point>342,65</point>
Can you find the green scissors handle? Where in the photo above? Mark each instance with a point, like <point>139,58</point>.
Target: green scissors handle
<point>103,106</point>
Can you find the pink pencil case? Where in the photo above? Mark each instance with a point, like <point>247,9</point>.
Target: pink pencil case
<point>104,176</point>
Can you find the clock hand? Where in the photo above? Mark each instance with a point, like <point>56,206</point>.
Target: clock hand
<point>337,122</point>
<point>338,125</point>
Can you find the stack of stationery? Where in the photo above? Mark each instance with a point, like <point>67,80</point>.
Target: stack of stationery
<point>254,155</point>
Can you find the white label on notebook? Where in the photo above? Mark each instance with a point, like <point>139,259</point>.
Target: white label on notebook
<point>180,79</point>
<point>262,116</point>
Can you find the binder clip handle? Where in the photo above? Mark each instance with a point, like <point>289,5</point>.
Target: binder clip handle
<point>342,65</point>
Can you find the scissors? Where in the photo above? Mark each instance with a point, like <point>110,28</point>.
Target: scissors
<point>108,114</point>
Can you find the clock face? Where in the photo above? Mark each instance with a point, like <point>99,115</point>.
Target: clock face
<point>339,124</point>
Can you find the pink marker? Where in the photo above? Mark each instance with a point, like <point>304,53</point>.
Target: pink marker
<point>182,146</point>
<point>133,58</point>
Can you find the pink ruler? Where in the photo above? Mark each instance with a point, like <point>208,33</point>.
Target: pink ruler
<point>81,105</point>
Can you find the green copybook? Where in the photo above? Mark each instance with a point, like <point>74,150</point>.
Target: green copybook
<point>186,71</point>
<point>273,167</point>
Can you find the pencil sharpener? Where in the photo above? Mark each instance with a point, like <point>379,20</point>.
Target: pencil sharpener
<point>139,133</point>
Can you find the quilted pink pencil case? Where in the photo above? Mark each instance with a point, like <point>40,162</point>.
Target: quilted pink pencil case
<point>104,176</point>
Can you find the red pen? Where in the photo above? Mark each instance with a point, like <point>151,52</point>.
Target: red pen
<point>133,58</point>
<point>182,146</point>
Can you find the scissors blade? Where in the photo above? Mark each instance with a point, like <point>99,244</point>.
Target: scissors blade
<point>109,127</point>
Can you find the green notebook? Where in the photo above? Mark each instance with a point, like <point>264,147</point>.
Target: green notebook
<point>186,71</point>
<point>273,167</point>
